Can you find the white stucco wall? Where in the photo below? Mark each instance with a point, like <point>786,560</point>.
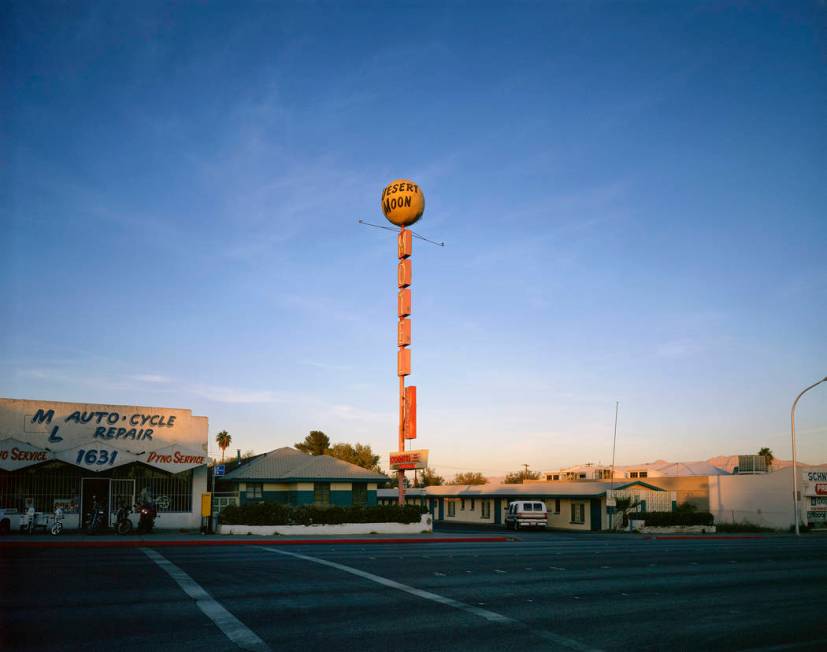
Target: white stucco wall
<point>425,525</point>
<point>765,500</point>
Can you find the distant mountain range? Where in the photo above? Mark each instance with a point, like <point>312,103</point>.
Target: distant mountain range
<point>724,462</point>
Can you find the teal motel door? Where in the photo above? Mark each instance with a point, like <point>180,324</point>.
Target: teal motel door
<point>596,517</point>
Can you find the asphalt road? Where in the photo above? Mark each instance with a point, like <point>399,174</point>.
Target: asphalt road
<point>547,591</point>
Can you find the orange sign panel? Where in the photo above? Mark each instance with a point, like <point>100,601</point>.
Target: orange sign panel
<point>404,302</point>
<point>403,332</point>
<point>410,413</point>
<point>404,243</point>
<point>404,273</point>
<point>409,460</point>
<point>403,362</point>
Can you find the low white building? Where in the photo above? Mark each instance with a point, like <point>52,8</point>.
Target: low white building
<point>55,454</point>
<point>767,499</point>
<point>571,505</point>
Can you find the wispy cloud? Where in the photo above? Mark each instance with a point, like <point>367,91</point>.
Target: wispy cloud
<point>157,379</point>
<point>223,394</point>
<point>682,348</point>
<point>324,365</point>
<point>351,413</point>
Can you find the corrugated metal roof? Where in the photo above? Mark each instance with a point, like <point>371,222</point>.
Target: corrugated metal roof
<point>289,464</point>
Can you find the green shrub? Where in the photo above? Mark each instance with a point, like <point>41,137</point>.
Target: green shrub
<point>278,514</point>
<point>662,519</point>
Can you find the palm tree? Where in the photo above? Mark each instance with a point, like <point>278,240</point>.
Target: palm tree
<point>223,440</point>
<point>767,453</point>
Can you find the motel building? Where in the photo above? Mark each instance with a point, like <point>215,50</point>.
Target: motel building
<point>571,505</point>
<point>290,477</point>
<point>55,454</point>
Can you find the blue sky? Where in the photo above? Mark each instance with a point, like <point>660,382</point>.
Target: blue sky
<point>632,197</point>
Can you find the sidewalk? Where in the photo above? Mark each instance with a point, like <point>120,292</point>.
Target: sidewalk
<point>194,538</point>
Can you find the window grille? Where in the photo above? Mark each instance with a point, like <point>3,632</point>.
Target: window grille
<point>321,493</point>
<point>55,481</point>
<point>359,491</point>
<point>254,490</point>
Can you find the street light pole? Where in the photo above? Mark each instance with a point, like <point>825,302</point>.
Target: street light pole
<point>795,457</point>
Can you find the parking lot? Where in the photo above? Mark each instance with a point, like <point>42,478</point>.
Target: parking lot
<point>543,591</point>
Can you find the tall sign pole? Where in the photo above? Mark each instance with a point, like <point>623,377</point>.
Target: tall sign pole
<point>403,204</point>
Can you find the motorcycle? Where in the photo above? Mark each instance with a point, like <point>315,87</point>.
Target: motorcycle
<point>148,512</point>
<point>123,524</point>
<point>97,519</point>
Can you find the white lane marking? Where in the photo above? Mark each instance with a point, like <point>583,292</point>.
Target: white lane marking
<point>491,616</point>
<point>231,626</point>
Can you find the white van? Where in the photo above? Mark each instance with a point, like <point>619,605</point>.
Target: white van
<point>526,513</point>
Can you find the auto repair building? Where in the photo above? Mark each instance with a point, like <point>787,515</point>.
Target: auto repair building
<point>55,454</point>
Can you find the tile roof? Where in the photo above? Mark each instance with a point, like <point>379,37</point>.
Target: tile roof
<point>287,463</point>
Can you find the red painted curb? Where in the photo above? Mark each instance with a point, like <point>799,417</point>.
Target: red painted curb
<point>704,537</point>
<point>243,542</point>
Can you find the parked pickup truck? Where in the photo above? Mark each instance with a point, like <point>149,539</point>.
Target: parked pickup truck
<point>526,513</point>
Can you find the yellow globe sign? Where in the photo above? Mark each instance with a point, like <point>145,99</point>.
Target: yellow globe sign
<point>403,202</point>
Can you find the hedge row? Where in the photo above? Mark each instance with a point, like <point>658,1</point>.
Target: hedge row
<point>277,514</point>
<point>658,519</point>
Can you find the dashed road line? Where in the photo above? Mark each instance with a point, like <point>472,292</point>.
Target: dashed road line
<point>491,616</point>
<point>230,626</point>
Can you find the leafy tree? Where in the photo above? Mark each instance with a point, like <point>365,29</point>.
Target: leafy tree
<point>223,439</point>
<point>471,477</point>
<point>429,478</point>
<point>358,454</point>
<point>767,453</point>
<point>519,476</point>
<point>246,455</point>
<point>316,443</point>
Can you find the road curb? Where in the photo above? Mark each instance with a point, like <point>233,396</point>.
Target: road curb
<point>702,537</point>
<point>144,543</point>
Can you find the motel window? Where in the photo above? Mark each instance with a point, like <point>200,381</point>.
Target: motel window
<point>359,493</point>
<point>452,508</point>
<point>486,509</point>
<point>556,505</point>
<point>581,476</point>
<point>643,474</point>
<point>578,513</point>
<point>321,493</point>
<point>254,490</point>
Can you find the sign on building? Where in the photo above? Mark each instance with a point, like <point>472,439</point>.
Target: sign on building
<point>98,437</point>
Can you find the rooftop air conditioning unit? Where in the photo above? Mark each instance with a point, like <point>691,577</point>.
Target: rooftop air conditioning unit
<point>750,464</point>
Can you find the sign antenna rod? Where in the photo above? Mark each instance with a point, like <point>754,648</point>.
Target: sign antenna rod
<point>413,233</point>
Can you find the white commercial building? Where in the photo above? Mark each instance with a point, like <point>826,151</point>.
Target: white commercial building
<point>55,454</point>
